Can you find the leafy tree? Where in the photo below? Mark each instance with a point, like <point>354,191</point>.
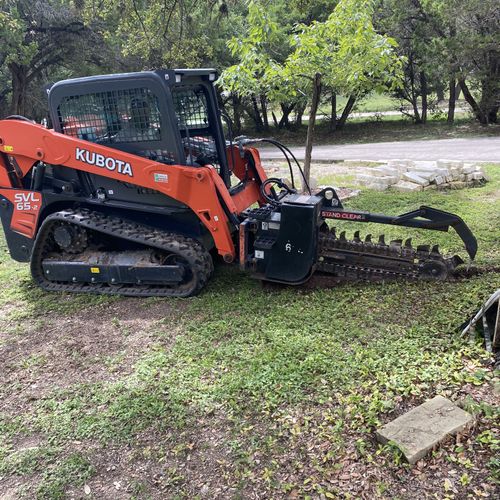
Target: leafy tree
<point>344,52</point>
<point>469,33</point>
<point>165,33</point>
<point>404,21</point>
<point>283,16</point>
<point>454,41</point>
<point>37,37</point>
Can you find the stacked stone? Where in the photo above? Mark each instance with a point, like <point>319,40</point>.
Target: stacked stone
<point>409,176</point>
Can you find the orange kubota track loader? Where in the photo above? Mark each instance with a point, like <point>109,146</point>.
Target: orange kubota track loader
<point>135,189</point>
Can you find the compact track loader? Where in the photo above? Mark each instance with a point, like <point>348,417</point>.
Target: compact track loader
<point>135,189</point>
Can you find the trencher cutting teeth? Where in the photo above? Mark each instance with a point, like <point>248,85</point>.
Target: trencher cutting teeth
<point>364,260</point>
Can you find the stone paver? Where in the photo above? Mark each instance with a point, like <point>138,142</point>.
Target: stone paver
<point>418,431</point>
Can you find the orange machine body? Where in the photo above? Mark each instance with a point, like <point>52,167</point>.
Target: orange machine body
<point>24,144</point>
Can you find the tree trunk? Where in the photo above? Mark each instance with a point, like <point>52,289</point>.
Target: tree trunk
<point>333,118</point>
<point>275,120</point>
<point>286,109</point>
<point>299,114</point>
<point>263,105</point>
<point>258,119</point>
<point>440,92</point>
<point>253,112</point>
<point>416,113</point>
<point>490,95</point>
<point>19,88</point>
<point>478,112</point>
<point>452,101</point>
<point>412,93</point>
<point>346,112</point>
<point>493,115</point>
<point>425,92</point>
<point>310,130</point>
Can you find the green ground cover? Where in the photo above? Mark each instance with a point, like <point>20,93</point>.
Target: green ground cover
<point>249,391</point>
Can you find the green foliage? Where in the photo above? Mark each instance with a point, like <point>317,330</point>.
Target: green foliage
<point>447,40</point>
<point>158,33</point>
<point>345,48</point>
<point>12,33</point>
<point>28,460</point>
<point>265,43</point>
<point>73,470</point>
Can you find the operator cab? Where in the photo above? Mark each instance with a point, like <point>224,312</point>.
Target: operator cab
<point>169,116</point>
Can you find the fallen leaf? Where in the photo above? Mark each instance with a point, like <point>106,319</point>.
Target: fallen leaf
<point>448,485</point>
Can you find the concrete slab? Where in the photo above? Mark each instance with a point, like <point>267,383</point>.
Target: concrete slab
<point>450,163</point>
<point>383,182</point>
<point>430,176</point>
<point>401,165</point>
<point>411,177</point>
<point>407,187</point>
<point>418,431</point>
<point>384,171</point>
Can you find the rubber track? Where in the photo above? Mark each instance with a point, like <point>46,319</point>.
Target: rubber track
<point>188,248</point>
<point>410,260</point>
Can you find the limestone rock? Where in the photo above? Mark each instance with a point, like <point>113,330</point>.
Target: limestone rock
<point>421,429</point>
<point>469,169</point>
<point>385,171</point>
<point>450,164</point>
<point>412,177</point>
<point>407,187</point>
<point>429,175</point>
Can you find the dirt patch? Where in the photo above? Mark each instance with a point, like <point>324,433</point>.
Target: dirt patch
<point>191,463</point>
<point>100,343</point>
<point>10,492</point>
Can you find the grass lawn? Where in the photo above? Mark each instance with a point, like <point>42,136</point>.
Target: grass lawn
<point>372,103</point>
<point>375,102</point>
<point>385,129</point>
<point>249,392</point>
